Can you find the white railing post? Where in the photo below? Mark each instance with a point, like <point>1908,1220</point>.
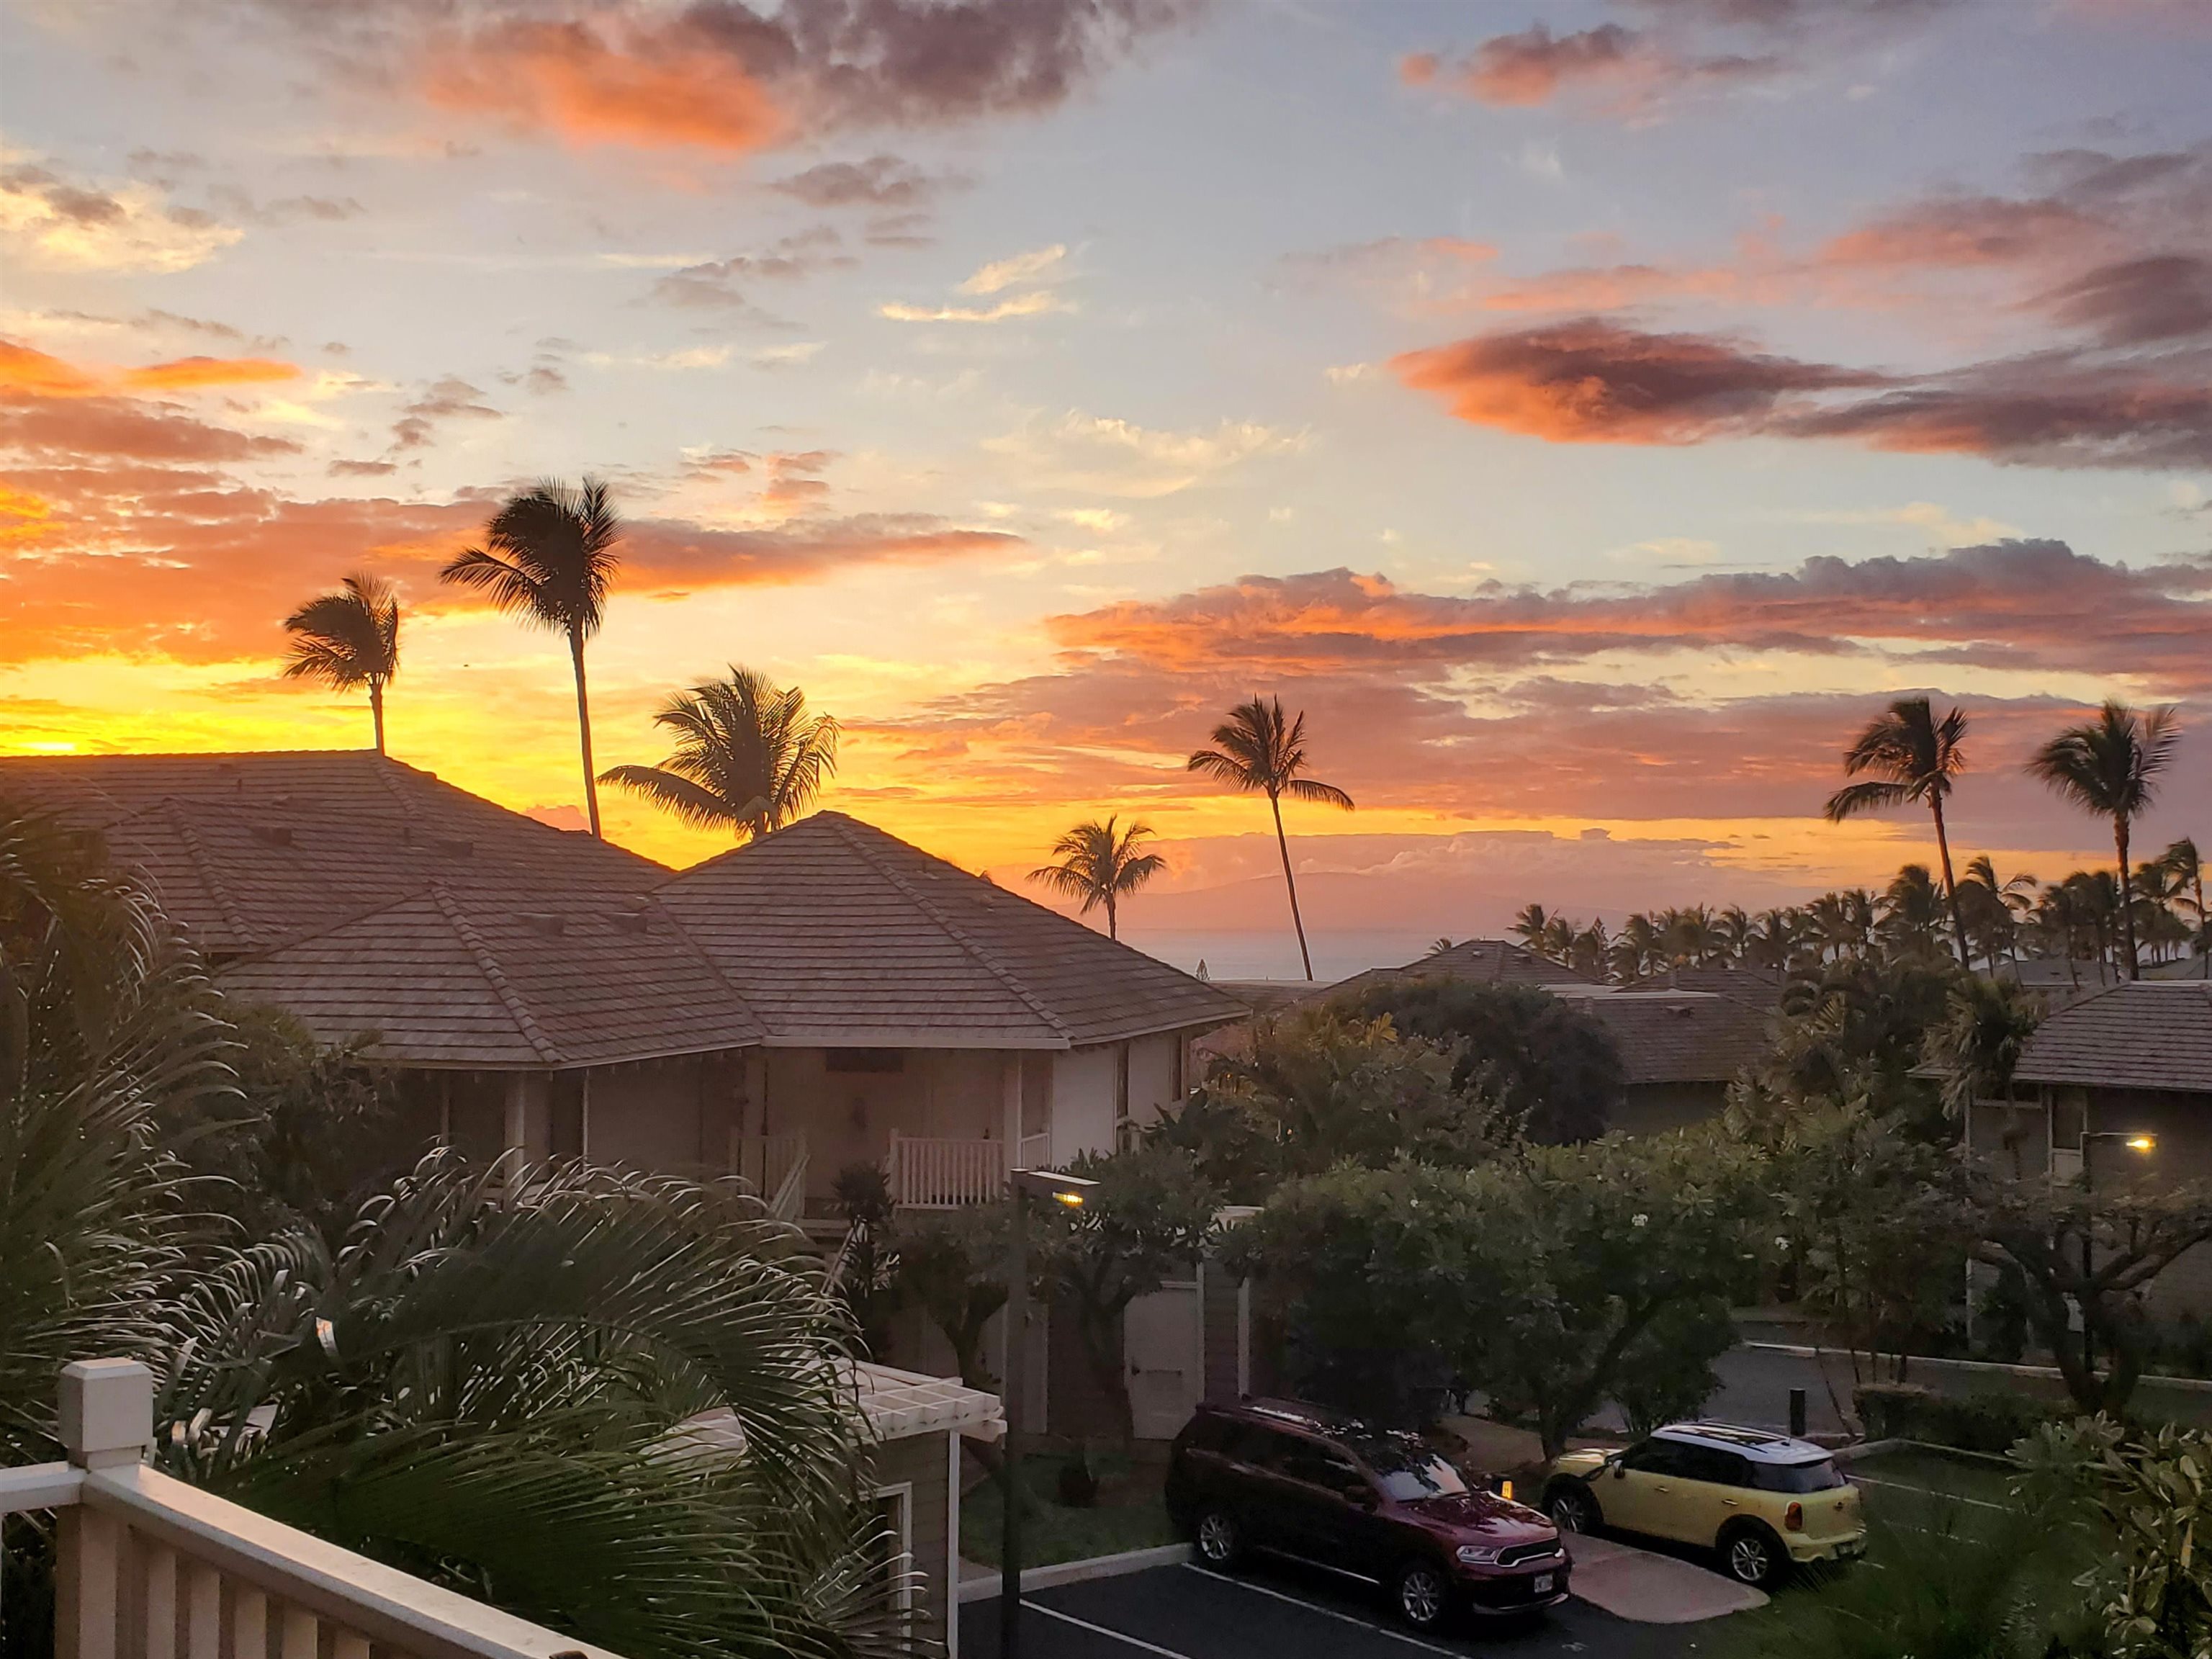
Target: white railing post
<point>106,1422</point>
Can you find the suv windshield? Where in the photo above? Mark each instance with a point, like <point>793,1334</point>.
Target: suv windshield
<point>1409,1473</point>
<point>1819,1476</point>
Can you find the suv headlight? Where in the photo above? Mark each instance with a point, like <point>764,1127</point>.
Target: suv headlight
<point>1479,1555</point>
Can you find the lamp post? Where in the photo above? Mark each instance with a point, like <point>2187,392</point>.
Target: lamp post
<point>2141,1143</point>
<point>1067,1192</point>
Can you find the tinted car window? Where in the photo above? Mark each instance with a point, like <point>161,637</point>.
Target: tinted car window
<point>1319,1466</point>
<point>1210,1434</point>
<point>1719,1468</point>
<point>1261,1448</point>
<point>1657,1457</point>
<point>1822,1476</point>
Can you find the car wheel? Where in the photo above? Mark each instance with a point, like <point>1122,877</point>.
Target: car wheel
<point>1424,1594</point>
<point>1219,1541</point>
<point>1572,1509</point>
<point>1754,1556</point>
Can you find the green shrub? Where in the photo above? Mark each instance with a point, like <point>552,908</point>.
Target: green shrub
<point>1988,1421</point>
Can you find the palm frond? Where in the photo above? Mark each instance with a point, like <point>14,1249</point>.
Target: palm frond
<point>1326,794</point>
<point>693,803</point>
<point>1867,797</point>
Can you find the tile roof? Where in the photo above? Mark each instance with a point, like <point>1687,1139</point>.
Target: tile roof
<point>835,932</point>
<point>1756,986</point>
<point>1680,1037</point>
<point>1498,962</point>
<point>2156,1033</point>
<point>251,851</point>
<point>482,976</point>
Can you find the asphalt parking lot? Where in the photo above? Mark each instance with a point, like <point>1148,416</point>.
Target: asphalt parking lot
<point>1269,1612</point>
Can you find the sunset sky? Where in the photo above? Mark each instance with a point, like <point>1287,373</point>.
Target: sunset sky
<point>1587,414</point>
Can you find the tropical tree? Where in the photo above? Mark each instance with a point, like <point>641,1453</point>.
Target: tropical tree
<point>2188,869</point>
<point>549,558</point>
<point>749,758</point>
<point>1913,758</point>
<point>347,639</point>
<point>1099,863</point>
<point>1259,752</point>
<point>2109,766</point>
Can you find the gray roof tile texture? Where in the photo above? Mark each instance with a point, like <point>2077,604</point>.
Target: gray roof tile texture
<point>367,897</point>
<point>2154,1034</point>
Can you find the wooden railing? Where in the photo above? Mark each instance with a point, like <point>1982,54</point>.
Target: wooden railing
<point>1037,1153</point>
<point>944,1175</point>
<point>153,1568</point>
<point>775,1167</point>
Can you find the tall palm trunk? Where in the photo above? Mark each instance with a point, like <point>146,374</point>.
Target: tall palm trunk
<point>584,730</point>
<point>2127,895</point>
<point>2203,928</point>
<point>1950,885</point>
<point>376,709</point>
<point>1291,882</point>
<point>1113,922</point>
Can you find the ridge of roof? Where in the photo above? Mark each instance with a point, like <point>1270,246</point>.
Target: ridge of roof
<point>495,976</point>
<point>705,958</point>
<point>844,826</point>
<point>203,867</point>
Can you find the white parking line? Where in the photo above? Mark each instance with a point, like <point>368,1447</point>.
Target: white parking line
<point>1029,1606</point>
<point>1326,1612</point>
<point>1930,1491</point>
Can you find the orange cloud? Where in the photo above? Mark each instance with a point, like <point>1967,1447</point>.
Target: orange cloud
<point>656,88</point>
<point>29,372</point>
<point>1594,381</point>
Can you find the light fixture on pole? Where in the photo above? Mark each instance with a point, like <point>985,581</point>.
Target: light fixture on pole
<point>2141,1143</point>
<point>1068,1193</point>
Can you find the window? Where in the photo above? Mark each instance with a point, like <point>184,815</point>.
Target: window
<point>1714,1467</point>
<point>1657,1457</point>
<point>1316,1465</point>
<point>864,1060</point>
<point>1819,1476</point>
<point>1263,1448</point>
<point>1409,1473</point>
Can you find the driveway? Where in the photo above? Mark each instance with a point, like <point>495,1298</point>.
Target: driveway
<point>1188,1613</point>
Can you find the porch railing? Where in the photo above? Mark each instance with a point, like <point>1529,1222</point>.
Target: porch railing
<point>774,1166</point>
<point>153,1568</point>
<point>944,1175</point>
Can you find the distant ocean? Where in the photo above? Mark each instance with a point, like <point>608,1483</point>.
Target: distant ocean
<point>1257,954</point>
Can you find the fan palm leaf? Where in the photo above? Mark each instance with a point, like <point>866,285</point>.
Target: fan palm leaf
<point>548,559</point>
<point>1099,863</point>
<point>1257,751</point>
<point>2110,767</point>
<point>749,757</point>
<point>347,639</point>
<point>1913,758</point>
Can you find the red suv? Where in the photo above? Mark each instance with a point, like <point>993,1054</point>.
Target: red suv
<point>1335,1492</point>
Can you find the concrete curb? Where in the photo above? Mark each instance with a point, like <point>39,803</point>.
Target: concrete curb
<point>1077,1573</point>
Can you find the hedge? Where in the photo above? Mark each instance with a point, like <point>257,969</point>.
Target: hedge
<point>1989,1421</point>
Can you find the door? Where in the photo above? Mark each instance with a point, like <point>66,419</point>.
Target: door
<point>1711,1494</point>
<point>1164,1359</point>
<point>1638,1491</point>
<point>1324,1521</point>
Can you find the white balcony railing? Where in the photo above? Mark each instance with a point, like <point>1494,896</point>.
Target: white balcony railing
<point>774,1166</point>
<point>153,1568</point>
<point>944,1175</point>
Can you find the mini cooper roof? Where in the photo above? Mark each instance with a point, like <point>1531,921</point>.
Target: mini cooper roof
<point>1760,1445</point>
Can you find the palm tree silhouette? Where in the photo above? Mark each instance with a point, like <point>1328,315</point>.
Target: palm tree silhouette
<point>347,639</point>
<point>2188,869</point>
<point>1098,863</point>
<point>1260,752</point>
<point>2109,766</point>
<point>1914,756</point>
<point>748,757</point>
<point>549,558</point>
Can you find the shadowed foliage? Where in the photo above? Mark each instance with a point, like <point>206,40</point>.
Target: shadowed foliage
<point>1098,864</point>
<point>2110,767</point>
<point>1913,758</point>
<point>749,758</point>
<point>347,639</point>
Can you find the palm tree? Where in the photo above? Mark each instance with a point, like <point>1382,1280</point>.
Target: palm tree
<point>2188,869</point>
<point>1529,926</point>
<point>347,639</point>
<point>1914,756</point>
<point>2109,766</point>
<point>549,558</point>
<point>1260,752</point>
<point>1100,862</point>
<point>748,757</point>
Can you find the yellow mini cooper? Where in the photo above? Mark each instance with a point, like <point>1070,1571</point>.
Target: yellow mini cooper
<point>1763,1501</point>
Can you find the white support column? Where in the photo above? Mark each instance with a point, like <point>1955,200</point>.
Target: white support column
<point>516,1136</point>
<point>107,1421</point>
<point>952,1544</point>
<point>1011,1063</point>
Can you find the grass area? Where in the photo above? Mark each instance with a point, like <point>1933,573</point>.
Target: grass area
<point>1954,1566</point>
<point>1128,1515</point>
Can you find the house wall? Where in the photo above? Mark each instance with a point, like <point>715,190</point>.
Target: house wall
<point>1156,1069</point>
<point>847,1113</point>
<point>1083,1097</point>
<point>669,1116</point>
<point>2182,1124</point>
<point>923,1462</point>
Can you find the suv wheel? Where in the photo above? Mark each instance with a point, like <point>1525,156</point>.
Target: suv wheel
<point>1754,1556</point>
<point>1572,1509</point>
<point>1424,1594</point>
<point>1219,1542</point>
